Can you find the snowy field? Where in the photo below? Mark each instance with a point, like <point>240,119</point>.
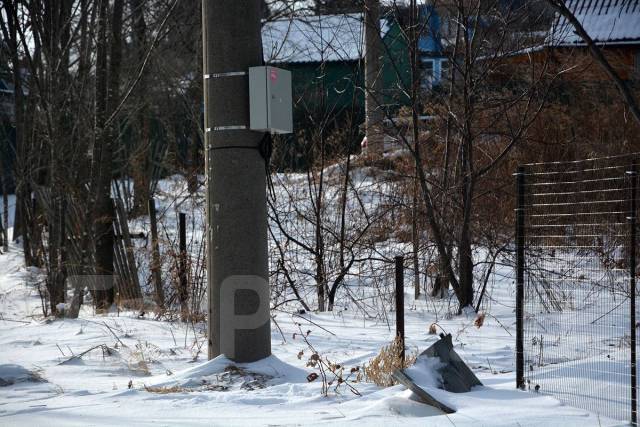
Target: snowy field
<point>581,353</point>
<point>123,369</point>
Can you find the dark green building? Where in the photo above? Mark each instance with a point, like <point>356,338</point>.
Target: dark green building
<point>325,54</point>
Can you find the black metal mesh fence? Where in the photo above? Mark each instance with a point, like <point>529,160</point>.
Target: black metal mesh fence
<point>577,334</point>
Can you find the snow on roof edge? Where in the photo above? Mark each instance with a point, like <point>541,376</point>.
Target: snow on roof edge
<point>316,38</point>
<point>606,22</point>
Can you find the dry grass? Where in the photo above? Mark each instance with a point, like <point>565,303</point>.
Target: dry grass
<point>181,389</point>
<point>167,390</point>
<point>141,356</point>
<point>381,367</point>
<point>233,377</point>
<point>479,320</point>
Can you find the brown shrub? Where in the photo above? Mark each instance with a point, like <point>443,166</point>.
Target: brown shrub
<point>381,367</point>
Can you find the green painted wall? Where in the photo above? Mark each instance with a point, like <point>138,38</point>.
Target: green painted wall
<point>342,84</point>
<point>396,71</point>
<point>326,90</point>
<point>334,91</point>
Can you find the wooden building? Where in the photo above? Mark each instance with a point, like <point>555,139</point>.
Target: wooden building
<point>614,25</point>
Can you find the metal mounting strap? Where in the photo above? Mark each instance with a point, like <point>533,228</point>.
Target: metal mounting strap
<point>234,147</point>
<point>222,128</point>
<point>229,74</point>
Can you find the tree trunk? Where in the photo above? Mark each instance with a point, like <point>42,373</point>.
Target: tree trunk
<point>415,244</point>
<point>20,222</point>
<point>415,77</point>
<point>5,212</point>
<point>465,267</point>
<point>104,295</point>
<point>155,256</point>
<point>57,255</point>
<point>441,285</point>
<point>373,78</point>
<point>332,298</point>
<point>140,161</point>
<point>343,228</point>
<point>320,276</point>
<point>465,254</point>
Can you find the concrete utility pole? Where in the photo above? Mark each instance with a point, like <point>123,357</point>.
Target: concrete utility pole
<point>373,77</point>
<point>237,271</point>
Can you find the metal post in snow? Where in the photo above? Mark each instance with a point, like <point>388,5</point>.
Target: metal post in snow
<point>520,178</point>
<point>632,291</point>
<point>183,264</point>
<point>399,260</point>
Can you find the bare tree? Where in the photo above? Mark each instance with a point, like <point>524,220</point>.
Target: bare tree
<point>476,126</point>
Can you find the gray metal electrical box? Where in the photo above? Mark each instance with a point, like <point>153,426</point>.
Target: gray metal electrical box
<point>270,100</point>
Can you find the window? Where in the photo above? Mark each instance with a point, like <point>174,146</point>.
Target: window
<point>428,67</point>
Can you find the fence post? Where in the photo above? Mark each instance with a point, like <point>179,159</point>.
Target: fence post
<point>155,255</point>
<point>183,293</point>
<point>632,291</point>
<point>520,278</point>
<point>400,303</point>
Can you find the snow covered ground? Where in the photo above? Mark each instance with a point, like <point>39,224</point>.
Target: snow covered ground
<point>123,369</point>
<point>43,383</point>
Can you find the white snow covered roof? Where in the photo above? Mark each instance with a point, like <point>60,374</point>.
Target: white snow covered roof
<point>606,21</point>
<point>315,38</point>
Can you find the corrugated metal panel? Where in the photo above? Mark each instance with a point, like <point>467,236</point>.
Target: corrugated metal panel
<point>606,21</point>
